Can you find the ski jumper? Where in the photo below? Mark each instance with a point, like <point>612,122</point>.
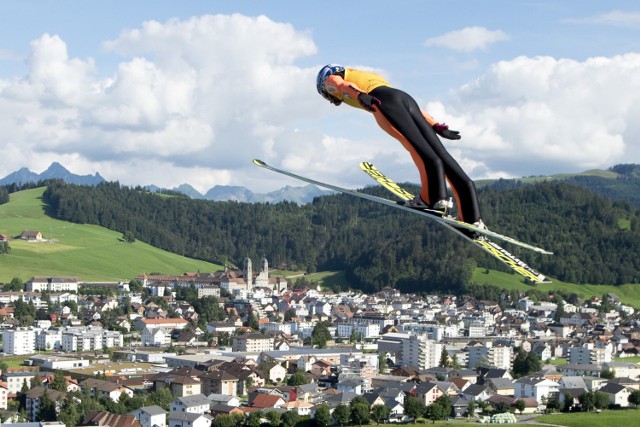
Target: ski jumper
<point>400,116</point>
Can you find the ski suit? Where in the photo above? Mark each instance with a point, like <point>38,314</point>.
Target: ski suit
<point>400,116</point>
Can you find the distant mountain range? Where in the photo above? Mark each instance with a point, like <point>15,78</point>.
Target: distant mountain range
<point>299,195</point>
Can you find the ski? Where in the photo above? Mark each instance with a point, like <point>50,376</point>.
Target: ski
<point>491,248</point>
<point>485,244</point>
<point>450,221</point>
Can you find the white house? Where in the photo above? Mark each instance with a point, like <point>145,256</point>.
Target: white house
<point>538,388</point>
<point>52,284</point>
<point>618,394</point>
<point>155,337</point>
<point>623,369</point>
<point>151,416</point>
<point>196,404</point>
<point>189,419</point>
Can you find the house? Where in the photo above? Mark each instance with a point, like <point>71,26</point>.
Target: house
<point>502,386</point>
<point>220,382</point>
<point>156,337</point>
<point>197,404</point>
<point>618,394</point>
<point>100,388</point>
<point>428,393</point>
<point>107,419</point>
<point>151,416</point>
<point>219,408</point>
<point>223,399</point>
<point>538,388</point>
<point>189,419</point>
<point>478,392</point>
<point>350,385</point>
<point>4,395</point>
<point>267,401</point>
<point>275,372</point>
<point>180,385</point>
<point>31,236</point>
<point>302,408</point>
<point>34,399</point>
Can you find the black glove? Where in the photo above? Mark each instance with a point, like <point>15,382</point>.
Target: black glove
<point>442,129</point>
<point>367,101</point>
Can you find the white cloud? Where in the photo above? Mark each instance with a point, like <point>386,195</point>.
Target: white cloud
<point>188,95</point>
<point>467,39</point>
<point>615,17</point>
<point>541,115</point>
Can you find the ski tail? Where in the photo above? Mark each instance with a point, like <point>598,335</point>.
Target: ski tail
<point>484,243</point>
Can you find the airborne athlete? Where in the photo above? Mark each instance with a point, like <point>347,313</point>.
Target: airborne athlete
<point>397,113</point>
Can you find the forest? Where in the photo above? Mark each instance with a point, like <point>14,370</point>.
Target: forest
<point>595,239</point>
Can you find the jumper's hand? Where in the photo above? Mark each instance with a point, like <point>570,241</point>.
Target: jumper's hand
<point>442,129</point>
<point>367,101</point>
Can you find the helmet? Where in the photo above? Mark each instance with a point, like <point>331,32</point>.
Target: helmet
<point>325,72</point>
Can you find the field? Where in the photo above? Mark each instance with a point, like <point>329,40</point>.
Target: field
<point>582,419</point>
<point>89,252</point>
<point>629,294</point>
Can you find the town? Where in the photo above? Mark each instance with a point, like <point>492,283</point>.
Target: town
<point>203,349</point>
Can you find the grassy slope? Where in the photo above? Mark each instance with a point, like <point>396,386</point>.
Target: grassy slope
<point>580,419</point>
<point>628,293</point>
<point>89,252</point>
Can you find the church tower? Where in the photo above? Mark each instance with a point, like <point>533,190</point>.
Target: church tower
<point>248,272</point>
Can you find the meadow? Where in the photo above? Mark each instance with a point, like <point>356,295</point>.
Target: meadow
<point>89,252</point>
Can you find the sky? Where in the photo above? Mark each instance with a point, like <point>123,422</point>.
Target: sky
<point>170,92</point>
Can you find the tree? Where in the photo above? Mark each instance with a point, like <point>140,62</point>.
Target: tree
<point>601,400</point>
<point>440,409</point>
<point>380,413</point>
<point>444,358</point>
<point>298,378</point>
<point>323,415</point>
<point>69,414</point>
<point>471,408</point>
<point>382,363</point>
<point>342,414</point>
<point>359,410</point>
<point>59,382</point>
<point>273,418</point>
<point>320,335</point>
<point>129,236</point>
<point>414,408</point>
<point>162,398</point>
<point>290,419</point>
<point>587,401</point>
<point>520,405</point>
<point>254,419</point>
<point>634,398</point>
<point>47,409</point>
<point>607,374</point>
<point>223,420</point>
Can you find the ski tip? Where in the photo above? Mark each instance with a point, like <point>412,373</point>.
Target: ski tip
<point>259,162</point>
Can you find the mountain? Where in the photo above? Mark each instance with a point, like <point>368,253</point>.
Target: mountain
<point>189,191</point>
<point>299,195</point>
<point>54,171</point>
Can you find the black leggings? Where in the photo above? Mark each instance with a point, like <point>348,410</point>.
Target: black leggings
<point>404,114</point>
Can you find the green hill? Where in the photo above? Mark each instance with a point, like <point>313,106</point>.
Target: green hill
<point>90,252</point>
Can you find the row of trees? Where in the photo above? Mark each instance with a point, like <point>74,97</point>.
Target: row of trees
<point>594,238</point>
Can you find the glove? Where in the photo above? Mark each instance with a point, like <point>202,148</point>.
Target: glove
<point>367,101</point>
<point>442,129</point>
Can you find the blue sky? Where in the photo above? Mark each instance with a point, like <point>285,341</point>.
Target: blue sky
<point>170,92</point>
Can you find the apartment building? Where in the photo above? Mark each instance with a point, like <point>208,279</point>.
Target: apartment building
<point>19,341</point>
<point>252,343</point>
